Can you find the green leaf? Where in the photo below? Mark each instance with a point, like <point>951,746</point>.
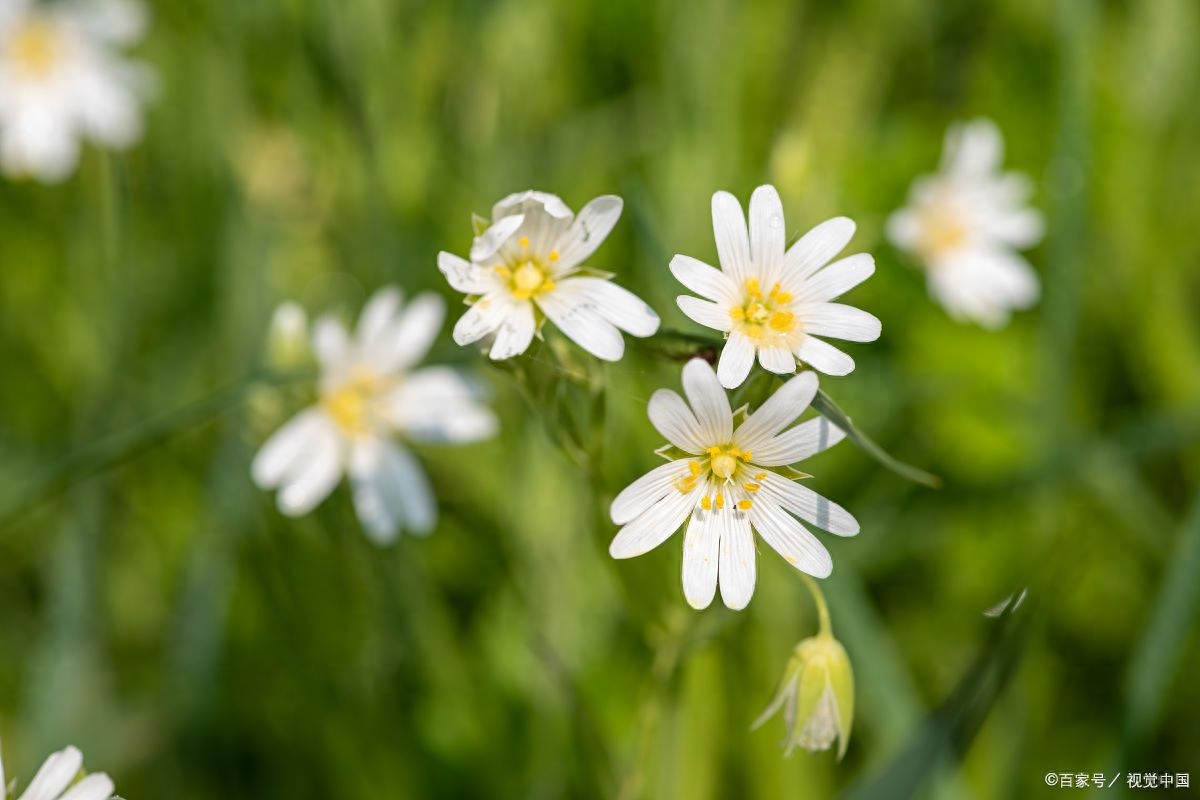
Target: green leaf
<point>825,406</point>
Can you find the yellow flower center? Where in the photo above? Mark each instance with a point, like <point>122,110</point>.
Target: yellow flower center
<point>766,315</point>
<point>724,463</point>
<point>352,405</point>
<point>35,48</point>
<point>527,275</point>
<point>942,231</point>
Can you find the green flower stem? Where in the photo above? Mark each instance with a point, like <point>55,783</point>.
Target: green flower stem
<point>818,597</point>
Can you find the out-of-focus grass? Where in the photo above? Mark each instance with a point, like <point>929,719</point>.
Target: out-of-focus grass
<point>162,616</point>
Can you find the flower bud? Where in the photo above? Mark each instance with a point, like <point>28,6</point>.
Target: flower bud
<point>287,341</point>
<point>816,695</point>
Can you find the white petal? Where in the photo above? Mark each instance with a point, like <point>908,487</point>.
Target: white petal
<point>582,324</point>
<point>709,402</point>
<point>638,497</point>
<point>377,316</point>
<point>815,249</point>
<point>522,202</point>
<point>904,229</point>
<point>515,332</point>
<point>797,444</point>
<point>767,233</point>
<point>463,276</point>
<point>619,306</point>
<point>737,357</point>
<point>838,278</point>
<point>331,343</point>
<point>437,404</point>
<point>710,315</point>
<point>808,505</point>
<point>390,491</point>
<point>1020,229</point>
<point>704,280</point>
<point>286,446</point>
<point>655,526</point>
<point>590,228</point>
<point>414,333</point>
<point>780,410</point>
<point>733,243</point>
<point>824,357</point>
<point>482,318</point>
<point>311,476</point>
<point>973,148</point>
<point>701,552</point>
<point>96,786</point>
<point>777,359</point>
<point>55,775</point>
<point>737,573</point>
<point>671,417</point>
<point>798,546</point>
<point>486,245</point>
<point>840,321</point>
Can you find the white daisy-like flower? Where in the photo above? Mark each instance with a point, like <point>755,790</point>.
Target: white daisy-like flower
<point>775,301</point>
<point>62,80</point>
<point>56,780</point>
<point>966,223</point>
<point>369,395</point>
<point>726,482</point>
<point>528,267</point>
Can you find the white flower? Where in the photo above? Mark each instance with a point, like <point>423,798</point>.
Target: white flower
<point>367,396</point>
<point>62,80</point>
<point>529,264</point>
<point>772,302</point>
<point>965,223</point>
<point>725,482</point>
<point>54,780</point>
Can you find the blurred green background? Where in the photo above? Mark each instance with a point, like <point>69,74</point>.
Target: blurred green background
<point>158,612</point>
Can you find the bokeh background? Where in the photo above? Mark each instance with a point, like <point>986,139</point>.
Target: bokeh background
<point>158,612</point>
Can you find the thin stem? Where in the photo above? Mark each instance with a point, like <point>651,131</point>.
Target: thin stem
<point>818,597</point>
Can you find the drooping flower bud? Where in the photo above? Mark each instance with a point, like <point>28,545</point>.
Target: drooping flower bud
<point>816,695</point>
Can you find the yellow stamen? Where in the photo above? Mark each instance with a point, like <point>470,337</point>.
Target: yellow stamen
<point>720,500</point>
<point>760,476</point>
<point>554,255</point>
<point>752,287</point>
<point>694,468</point>
<point>524,242</point>
<point>751,487</point>
<point>783,321</point>
<point>745,505</point>
<point>706,503</point>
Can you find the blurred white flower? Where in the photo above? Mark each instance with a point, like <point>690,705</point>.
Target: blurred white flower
<point>966,223</point>
<point>816,695</point>
<point>54,780</point>
<point>775,301</point>
<point>528,267</point>
<point>724,483</point>
<point>62,80</point>
<point>368,395</point>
